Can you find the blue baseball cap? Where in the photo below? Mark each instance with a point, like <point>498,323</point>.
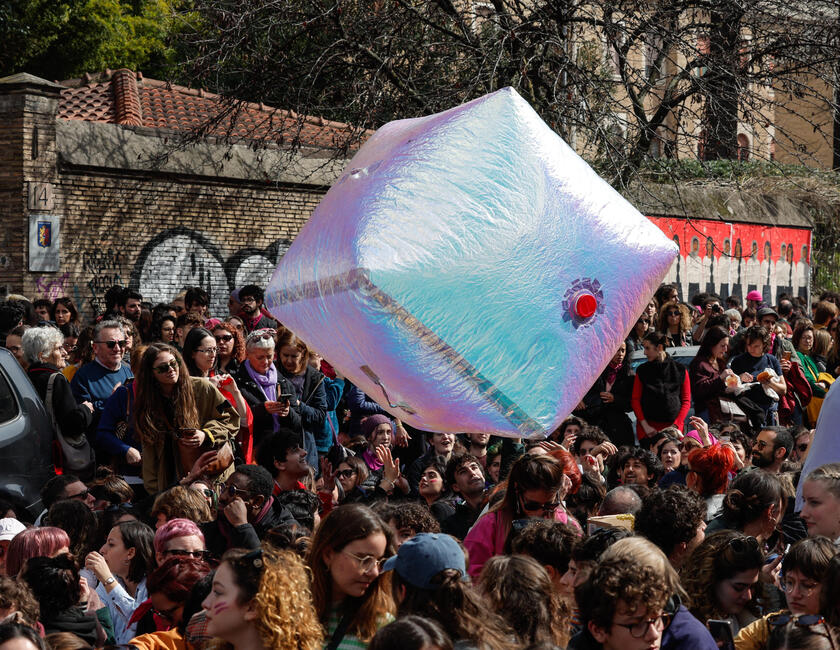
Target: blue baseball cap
<point>424,556</point>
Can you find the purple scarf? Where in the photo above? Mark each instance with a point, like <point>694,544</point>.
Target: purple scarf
<point>268,385</point>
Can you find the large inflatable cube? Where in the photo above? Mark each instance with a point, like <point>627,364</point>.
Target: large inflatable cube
<point>470,272</point>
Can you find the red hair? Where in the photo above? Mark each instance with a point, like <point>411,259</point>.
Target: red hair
<point>176,577</point>
<point>34,542</point>
<point>570,467</point>
<point>713,465</point>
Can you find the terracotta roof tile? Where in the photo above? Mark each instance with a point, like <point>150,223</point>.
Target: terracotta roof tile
<point>125,97</point>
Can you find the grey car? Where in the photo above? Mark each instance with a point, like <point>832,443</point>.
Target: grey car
<point>25,435</point>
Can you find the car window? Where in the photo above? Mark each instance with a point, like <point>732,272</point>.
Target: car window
<point>8,403</point>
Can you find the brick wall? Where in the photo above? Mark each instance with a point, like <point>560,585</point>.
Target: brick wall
<point>130,223</point>
<point>162,235</point>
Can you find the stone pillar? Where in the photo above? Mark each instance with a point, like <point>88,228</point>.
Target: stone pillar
<point>28,173</point>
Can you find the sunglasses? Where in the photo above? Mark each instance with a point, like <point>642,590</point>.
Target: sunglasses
<point>112,344</point>
<point>165,367</point>
<point>673,313</point>
<point>179,552</point>
<point>802,447</point>
<point>345,473</point>
<point>234,491</point>
<point>262,334</point>
<point>224,338</point>
<point>536,506</point>
<point>806,620</point>
<point>81,495</point>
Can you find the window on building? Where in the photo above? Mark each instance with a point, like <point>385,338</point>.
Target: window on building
<point>743,147</point>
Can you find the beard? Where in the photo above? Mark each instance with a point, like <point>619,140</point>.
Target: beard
<point>761,461</point>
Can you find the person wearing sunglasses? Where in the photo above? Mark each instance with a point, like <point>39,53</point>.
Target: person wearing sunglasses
<point>803,437</point>
<point>178,418</point>
<point>230,344</point>
<point>94,382</point>
<point>267,392</point>
<point>180,538</point>
<point>247,511</point>
<point>801,580</point>
<point>535,490</point>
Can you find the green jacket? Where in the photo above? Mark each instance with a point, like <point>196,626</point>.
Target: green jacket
<point>220,423</point>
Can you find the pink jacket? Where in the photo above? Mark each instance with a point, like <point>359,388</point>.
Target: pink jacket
<point>487,538</point>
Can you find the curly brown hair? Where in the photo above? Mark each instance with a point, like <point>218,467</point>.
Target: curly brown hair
<point>277,582</point>
<point>15,596</point>
<point>616,580</point>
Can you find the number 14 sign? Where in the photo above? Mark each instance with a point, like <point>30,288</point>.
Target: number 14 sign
<point>41,197</point>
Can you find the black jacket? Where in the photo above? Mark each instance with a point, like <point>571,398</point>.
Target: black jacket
<point>253,394</point>
<point>312,400</point>
<point>611,417</point>
<point>73,418</point>
<point>219,535</point>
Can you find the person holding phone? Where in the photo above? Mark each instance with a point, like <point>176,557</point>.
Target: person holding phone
<point>721,578</point>
<point>178,418</point>
<point>308,396</point>
<point>803,569</point>
<point>267,392</point>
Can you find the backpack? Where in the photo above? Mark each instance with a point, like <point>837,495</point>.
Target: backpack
<point>76,453</point>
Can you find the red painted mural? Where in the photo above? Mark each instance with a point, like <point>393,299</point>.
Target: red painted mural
<point>735,258</point>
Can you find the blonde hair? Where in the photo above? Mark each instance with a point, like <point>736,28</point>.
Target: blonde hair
<point>286,617</point>
<point>829,476</point>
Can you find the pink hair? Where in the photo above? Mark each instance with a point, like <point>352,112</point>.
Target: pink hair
<point>34,542</point>
<point>175,528</point>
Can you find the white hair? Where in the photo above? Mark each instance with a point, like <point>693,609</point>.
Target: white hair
<point>38,342</point>
<point>252,341</point>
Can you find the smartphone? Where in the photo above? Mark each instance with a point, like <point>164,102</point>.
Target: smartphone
<point>722,633</point>
<point>285,397</point>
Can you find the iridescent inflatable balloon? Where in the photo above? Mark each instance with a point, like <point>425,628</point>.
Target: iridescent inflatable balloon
<point>470,272</point>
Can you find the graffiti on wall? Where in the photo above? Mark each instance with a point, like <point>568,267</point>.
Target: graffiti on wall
<point>52,288</point>
<point>180,258</point>
<point>735,258</point>
<point>103,268</point>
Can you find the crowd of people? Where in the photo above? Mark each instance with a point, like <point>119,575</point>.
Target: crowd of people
<point>218,483</point>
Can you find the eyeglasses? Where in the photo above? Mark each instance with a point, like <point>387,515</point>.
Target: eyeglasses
<point>112,344</point>
<point>806,590</point>
<point>234,491</point>
<point>224,338</point>
<point>345,473</point>
<point>80,495</point>
<point>69,348</point>
<point>536,506</point>
<point>638,630</point>
<point>179,552</point>
<point>167,614</point>
<point>366,563</point>
<point>802,447</point>
<point>165,367</point>
<point>210,351</point>
<point>248,299</point>
<point>673,313</point>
